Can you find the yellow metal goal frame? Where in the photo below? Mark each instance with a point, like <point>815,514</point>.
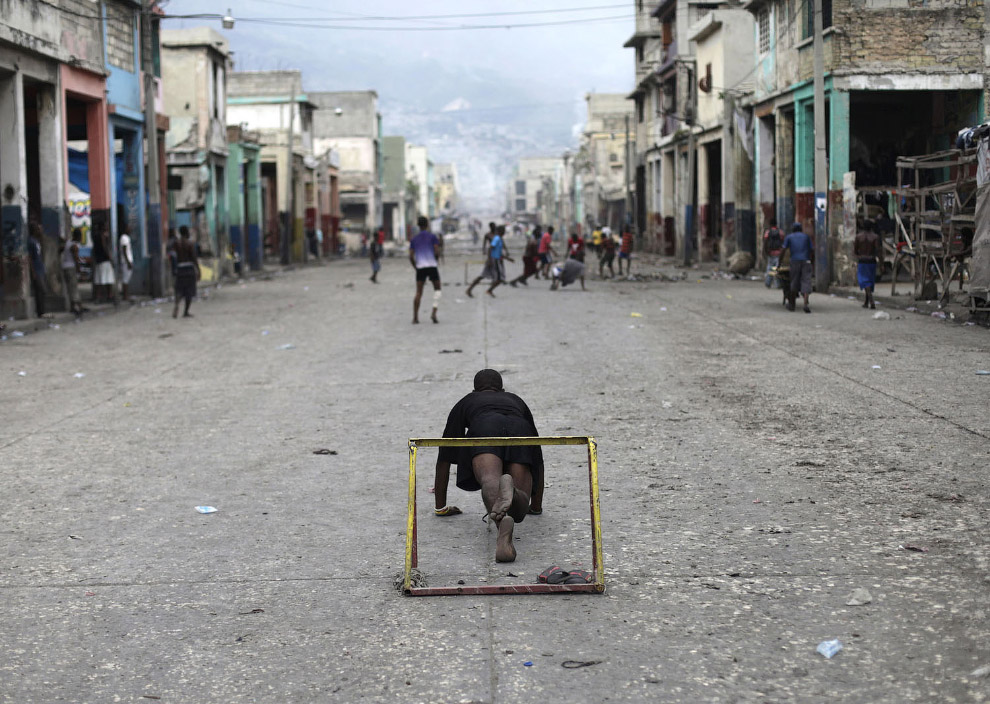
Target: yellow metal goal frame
<point>412,553</point>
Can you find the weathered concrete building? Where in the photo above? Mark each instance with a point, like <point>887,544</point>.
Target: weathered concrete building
<point>70,92</point>
<point>724,55</point>
<point>195,64</point>
<point>901,78</point>
<point>244,196</point>
<point>349,123</point>
<point>534,190</point>
<point>419,171</point>
<point>273,104</point>
<point>600,164</point>
<point>684,171</point>
<point>398,200</point>
<point>445,187</point>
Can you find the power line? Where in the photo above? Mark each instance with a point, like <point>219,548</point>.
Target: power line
<point>311,25</point>
<point>398,18</point>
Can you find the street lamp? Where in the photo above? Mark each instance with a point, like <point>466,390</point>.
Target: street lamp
<point>227,20</point>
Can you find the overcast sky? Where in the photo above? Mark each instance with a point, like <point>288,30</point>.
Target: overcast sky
<point>529,80</point>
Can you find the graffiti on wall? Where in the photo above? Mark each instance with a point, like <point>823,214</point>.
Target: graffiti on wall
<point>80,214</point>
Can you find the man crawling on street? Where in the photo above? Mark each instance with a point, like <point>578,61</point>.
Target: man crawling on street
<point>510,477</point>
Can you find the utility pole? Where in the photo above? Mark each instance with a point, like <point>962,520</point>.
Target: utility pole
<point>290,170</point>
<point>821,160</point>
<point>628,165</point>
<point>154,215</point>
<point>689,225</point>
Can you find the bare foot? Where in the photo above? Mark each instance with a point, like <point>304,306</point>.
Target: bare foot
<point>415,321</point>
<point>469,294</point>
<point>490,294</point>
<point>505,551</point>
<point>506,492</point>
<point>434,317</point>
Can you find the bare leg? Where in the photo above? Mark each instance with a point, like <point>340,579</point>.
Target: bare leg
<point>471,287</point>
<point>416,300</point>
<point>433,315</point>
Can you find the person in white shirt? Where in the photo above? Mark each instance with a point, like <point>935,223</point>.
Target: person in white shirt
<point>126,262</point>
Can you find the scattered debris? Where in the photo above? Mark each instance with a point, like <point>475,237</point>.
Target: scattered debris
<point>876,366</point>
<point>981,672</point>
<point>165,334</point>
<point>528,663</point>
<point>454,351</point>
<point>859,597</point>
<point>207,509</point>
<point>22,373</point>
<point>264,332</point>
<point>667,404</point>
<point>252,611</point>
<point>911,309</point>
<point>324,451</point>
<point>575,664</point>
<point>881,315</point>
<point>75,537</point>
<point>416,579</point>
<point>79,375</point>
<point>939,314</point>
<point>635,315</point>
<point>286,346</point>
<point>982,372</point>
<point>663,309</point>
<point>17,333</point>
<point>913,548</point>
<point>829,648</point>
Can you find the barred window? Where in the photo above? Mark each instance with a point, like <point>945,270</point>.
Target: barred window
<point>763,23</point>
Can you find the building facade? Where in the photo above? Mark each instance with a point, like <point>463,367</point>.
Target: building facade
<point>195,65</point>
<point>273,104</point>
<point>600,165</point>
<point>72,137</point>
<point>901,78</point>
<point>349,123</point>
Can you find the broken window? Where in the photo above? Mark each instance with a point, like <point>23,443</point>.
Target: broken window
<point>763,24</point>
<point>809,17</point>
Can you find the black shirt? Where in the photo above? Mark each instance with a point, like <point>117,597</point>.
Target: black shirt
<point>473,413</point>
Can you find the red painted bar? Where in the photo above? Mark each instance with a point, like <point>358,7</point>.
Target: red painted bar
<point>505,589</point>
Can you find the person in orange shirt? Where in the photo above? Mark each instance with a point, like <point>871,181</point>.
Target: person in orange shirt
<point>625,251</point>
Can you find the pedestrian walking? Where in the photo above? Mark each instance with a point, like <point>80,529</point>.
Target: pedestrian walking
<point>70,270</point>
<point>187,272</point>
<point>126,261</point>
<point>530,260</point>
<point>607,255</point>
<point>375,255</point>
<point>802,255</point>
<point>39,284</point>
<point>546,251</point>
<point>495,265</point>
<point>625,250</point>
<point>575,247</point>
<point>773,241</point>
<point>103,276</point>
<point>424,250</point>
<point>868,247</point>
<point>509,477</point>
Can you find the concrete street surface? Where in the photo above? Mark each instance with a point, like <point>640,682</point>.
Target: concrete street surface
<point>758,468</point>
